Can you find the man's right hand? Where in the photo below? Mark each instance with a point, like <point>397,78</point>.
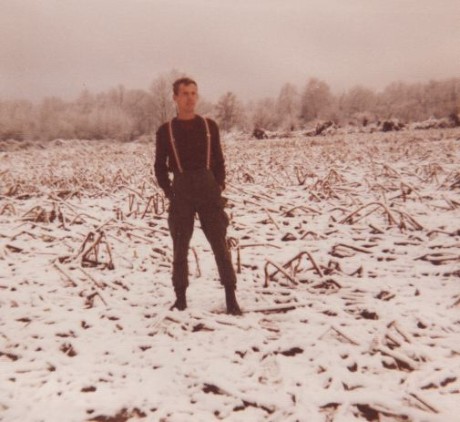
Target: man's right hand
<point>169,194</point>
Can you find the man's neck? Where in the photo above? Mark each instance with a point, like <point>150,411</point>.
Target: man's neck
<point>186,116</point>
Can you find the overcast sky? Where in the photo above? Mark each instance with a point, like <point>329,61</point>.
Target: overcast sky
<point>250,47</point>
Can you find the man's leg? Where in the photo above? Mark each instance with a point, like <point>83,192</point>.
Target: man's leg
<point>214,222</point>
<point>180,220</point>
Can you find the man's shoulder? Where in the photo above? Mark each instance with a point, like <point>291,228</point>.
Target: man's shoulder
<point>163,129</point>
<point>212,123</point>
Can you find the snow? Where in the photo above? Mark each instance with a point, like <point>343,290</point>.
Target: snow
<point>363,325</point>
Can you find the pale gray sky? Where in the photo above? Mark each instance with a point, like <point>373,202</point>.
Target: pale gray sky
<point>250,47</point>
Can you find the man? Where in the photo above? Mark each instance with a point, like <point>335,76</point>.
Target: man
<point>189,146</point>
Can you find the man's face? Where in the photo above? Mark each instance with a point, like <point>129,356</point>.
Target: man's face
<point>186,98</point>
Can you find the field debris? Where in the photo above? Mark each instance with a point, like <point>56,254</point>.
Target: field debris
<point>348,257</point>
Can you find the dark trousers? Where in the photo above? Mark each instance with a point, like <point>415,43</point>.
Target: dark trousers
<point>198,192</point>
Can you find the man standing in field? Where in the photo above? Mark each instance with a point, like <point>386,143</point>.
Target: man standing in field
<point>189,147</point>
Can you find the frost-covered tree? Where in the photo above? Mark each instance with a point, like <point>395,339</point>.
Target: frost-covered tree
<point>317,100</point>
<point>54,119</point>
<point>163,104</point>
<point>229,112</point>
<point>205,108</point>
<point>138,105</point>
<point>17,120</point>
<point>263,114</point>
<point>85,101</point>
<point>288,107</point>
<point>358,100</point>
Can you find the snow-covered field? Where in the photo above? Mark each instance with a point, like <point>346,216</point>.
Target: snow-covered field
<point>348,251</point>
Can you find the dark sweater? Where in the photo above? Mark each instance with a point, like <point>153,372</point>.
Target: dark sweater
<point>191,145</point>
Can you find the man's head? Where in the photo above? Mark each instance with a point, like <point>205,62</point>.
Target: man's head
<point>185,96</point>
<point>182,81</point>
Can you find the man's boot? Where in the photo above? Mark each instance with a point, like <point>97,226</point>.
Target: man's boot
<point>232,304</point>
<point>181,302</point>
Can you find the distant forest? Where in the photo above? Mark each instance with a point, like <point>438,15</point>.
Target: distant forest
<point>129,114</point>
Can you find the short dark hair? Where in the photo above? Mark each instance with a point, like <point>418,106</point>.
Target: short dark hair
<point>182,81</point>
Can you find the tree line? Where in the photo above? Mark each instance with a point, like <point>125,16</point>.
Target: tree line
<point>129,114</point>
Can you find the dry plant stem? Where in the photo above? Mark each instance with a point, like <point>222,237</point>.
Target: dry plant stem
<point>147,207</point>
<point>99,286</point>
<point>334,177</point>
<point>247,201</point>
<point>238,260</point>
<point>8,207</point>
<point>452,204</point>
<point>159,204</point>
<point>310,257</point>
<point>253,245</point>
<point>117,239</point>
<point>130,235</point>
<point>257,195</point>
<point>405,336</point>
<point>36,208</point>
<point>79,217</point>
<point>429,407</point>
<point>341,209</point>
<point>411,364</point>
<point>279,269</point>
<point>131,198</point>
<point>345,336</point>
<point>271,219</point>
<point>156,203</point>
<point>376,229</point>
<point>303,208</point>
<point>89,238</point>
<point>245,399</point>
<point>110,221</point>
<point>95,248</point>
<point>353,248</point>
<point>21,233</point>
<point>391,219</point>
<point>198,269</point>
<point>339,333</point>
<point>390,172</point>
<point>278,308</point>
<point>139,194</point>
<point>132,226</point>
<point>73,208</point>
<point>438,258</point>
<point>301,178</point>
<point>412,221</point>
<point>456,303</point>
<point>109,252</point>
<point>58,267</point>
<point>315,196</point>
<point>313,234</point>
<point>393,341</point>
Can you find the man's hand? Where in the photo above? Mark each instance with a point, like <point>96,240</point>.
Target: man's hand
<point>169,194</point>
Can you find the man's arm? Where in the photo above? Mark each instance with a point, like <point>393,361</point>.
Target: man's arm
<point>217,157</point>
<point>161,158</point>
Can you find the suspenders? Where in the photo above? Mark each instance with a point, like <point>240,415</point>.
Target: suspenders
<point>208,145</point>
